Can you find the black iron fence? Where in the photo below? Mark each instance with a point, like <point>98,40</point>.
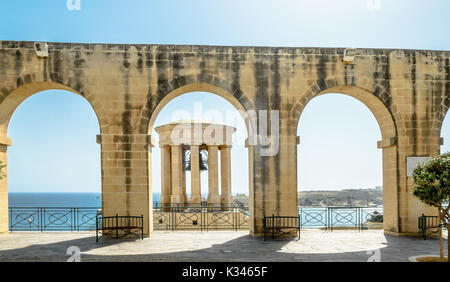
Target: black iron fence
<point>429,225</point>
<point>52,219</point>
<point>286,226</point>
<point>164,218</point>
<point>331,218</point>
<point>119,226</point>
<point>200,218</point>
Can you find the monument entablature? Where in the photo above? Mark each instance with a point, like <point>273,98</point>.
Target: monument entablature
<point>195,132</point>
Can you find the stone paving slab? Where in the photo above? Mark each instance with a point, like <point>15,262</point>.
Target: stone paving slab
<point>188,246</point>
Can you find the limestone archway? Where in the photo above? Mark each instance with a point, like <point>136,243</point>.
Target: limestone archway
<point>212,90</point>
<point>444,134</point>
<point>388,144</point>
<point>7,108</point>
<point>440,114</point>
<point>10,103</point>
<point>195,87</point>
<point>407,90</point>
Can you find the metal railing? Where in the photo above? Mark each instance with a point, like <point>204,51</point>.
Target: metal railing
<point>119,226</point>
<point>52,219</point>
<point>429,225</point>
<point>180,217</point>
<point>157,205</point>
<point>164,218</point>
<point>281,226</point>
<point>200,218</point>
<point>331,218</point>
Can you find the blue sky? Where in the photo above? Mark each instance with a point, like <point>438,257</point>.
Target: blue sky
<point>65,147</point>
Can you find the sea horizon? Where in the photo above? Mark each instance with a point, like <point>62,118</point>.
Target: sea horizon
<point>62,199</point>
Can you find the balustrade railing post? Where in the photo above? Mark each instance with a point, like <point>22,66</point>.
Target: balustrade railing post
<point>237,217</point>
<point>273,225</point>
<point>174,216</point>
<point>117,226</point>
<point>264,227</point>
<point>361,218</point>
<point>10,219</point>
<point>328,211</point>
<point>358,219</point>
<point>42,212</point>
<point>207,219</point>
<point>96,228</point>
<point>202,219</point>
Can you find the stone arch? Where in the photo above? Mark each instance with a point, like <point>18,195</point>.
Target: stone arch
<point>439,116</point>
<point>11,101</point>
<point>171,89</point>
<point>378,101</point>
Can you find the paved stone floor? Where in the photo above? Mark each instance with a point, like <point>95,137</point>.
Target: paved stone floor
<point>314,245</point>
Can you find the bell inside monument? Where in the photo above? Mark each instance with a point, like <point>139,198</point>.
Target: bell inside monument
<point>203,160</point>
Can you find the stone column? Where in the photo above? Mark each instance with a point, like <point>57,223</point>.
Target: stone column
<point>4,143</point>
<point>183,177</point>
<point>126,176</point>
<point>390,184</point>
<point>177,174</point>
<point>166,176</point>
<point>226,199</point>
<point>273,181</point>
<point>196,193</point>
<point>213,176</point>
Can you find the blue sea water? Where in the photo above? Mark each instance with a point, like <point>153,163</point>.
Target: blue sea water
<point>54,211</point>
<point>59,199</point>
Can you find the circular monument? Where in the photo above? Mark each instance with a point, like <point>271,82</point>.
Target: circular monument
<point>192,145</point>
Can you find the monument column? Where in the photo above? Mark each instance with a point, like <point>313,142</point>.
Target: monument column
<point>213,176</point>
<point>177,174</point>
<point>183,175</point>
<point>225,170</point>
<point>196,194</point>
<point>166,187</point>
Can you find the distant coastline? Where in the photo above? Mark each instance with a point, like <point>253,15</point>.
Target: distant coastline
<point>347,197</point>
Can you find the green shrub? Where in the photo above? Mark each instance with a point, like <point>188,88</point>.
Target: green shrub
<point>432,186</point>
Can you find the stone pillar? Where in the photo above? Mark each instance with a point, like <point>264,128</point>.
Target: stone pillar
<point>226,199</point>
<point>183,177</point>
<point>251,195</point>
<point>273,181</point>
<point>196,193</point>
<point>166,186</point>
<point>177,173</point>
<point>390,184</point>
<point>409,207</point>
<point>126,176</point>
<point>213,176</point>
<point>4,228</point>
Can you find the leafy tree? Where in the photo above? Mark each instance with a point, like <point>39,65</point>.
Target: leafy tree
<point>432,186</point>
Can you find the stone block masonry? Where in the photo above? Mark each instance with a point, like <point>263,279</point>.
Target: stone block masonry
<point>408,92</point>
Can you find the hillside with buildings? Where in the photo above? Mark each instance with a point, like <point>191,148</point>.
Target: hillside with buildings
<point>347,197</point>
<point>372,197</point>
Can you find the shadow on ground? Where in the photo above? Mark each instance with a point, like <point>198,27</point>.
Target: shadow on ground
<point>241,248</point>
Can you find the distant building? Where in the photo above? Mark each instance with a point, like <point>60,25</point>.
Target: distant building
<point>379,188</point>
